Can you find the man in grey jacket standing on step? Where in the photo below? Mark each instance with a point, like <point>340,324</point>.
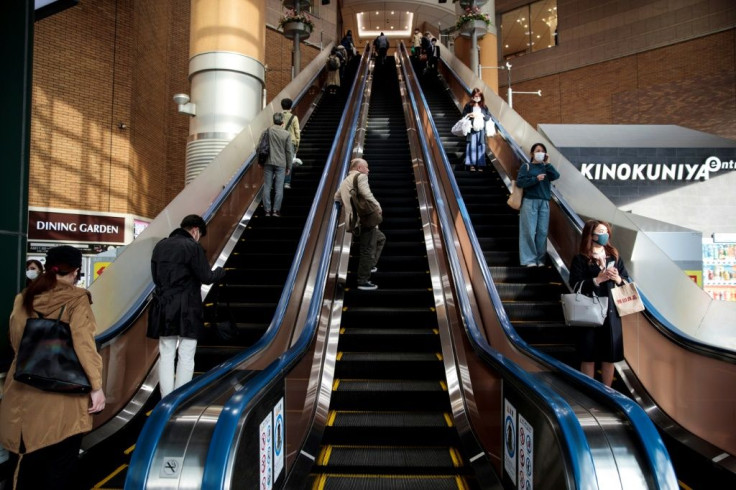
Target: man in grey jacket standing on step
<point>372,239</point>
<point>278,165</point>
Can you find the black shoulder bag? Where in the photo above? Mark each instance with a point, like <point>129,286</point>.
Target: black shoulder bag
<point>46,358</point>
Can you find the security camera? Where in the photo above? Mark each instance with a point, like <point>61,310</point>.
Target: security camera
<point>181,99</point>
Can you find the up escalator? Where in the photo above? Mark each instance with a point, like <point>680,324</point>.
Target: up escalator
<point>530,295</point>
<point>257,267</point>
<point>259,263</point>
<point>390,423</point>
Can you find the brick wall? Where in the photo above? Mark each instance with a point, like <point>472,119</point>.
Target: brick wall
<point>692,84</point>
<point>97,65</point>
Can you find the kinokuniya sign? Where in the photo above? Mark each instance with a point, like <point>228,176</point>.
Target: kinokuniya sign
<point>70,227</point>
<point>657,171</point>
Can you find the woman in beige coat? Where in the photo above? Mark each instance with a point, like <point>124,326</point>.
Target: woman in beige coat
<point>45,428</point>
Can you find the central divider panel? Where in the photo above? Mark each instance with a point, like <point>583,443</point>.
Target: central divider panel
<point>390,423</point>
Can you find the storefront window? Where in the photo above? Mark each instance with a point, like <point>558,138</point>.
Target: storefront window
<point>529,28</point>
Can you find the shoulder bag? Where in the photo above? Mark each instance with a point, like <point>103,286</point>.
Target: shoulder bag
<point>516,197</point>
<point>46,358</point>
<point>584,311</point>
<point>367,211</point>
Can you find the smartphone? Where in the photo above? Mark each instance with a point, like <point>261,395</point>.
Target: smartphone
<point>610,264</point>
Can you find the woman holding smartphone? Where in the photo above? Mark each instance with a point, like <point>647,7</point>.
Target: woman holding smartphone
<point>535,177</point>
<point>600,268</point>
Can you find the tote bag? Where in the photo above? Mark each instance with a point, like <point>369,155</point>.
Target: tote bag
<point>627,299</point>
<point>461,128</point>
<point>517,194</point>
<point>584,311</point>
<point>46,358</point>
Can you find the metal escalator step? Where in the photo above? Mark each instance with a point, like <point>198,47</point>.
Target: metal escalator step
<point>388,482</point>
<point>435,458</point>
<point>388,386</point>
<point>374,419</point>
<point>389,356</point>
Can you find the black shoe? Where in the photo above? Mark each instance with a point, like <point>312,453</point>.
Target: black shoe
<point>367,286</point>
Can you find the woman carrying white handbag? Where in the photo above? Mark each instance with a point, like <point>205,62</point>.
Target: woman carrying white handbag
<point>599,267</point>
<point>475,140</point>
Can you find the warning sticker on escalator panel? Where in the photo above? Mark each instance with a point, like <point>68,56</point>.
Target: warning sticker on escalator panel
<point>509,440</point>
<point>526,454</point>
<point>265,463</point>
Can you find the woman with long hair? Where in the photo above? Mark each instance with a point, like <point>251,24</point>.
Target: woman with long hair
<point>45,428</point>
<point>475,141</point>
<point>34,268</point>
<point>599,267</point>
<point>535,177</point>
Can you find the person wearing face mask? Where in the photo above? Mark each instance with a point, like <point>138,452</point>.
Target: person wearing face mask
<point>475,141</point>
<point>34,268</point>
<point>535,177</point>
<point>179,267</point>
<point>45,428</point>
<point>599,267</point>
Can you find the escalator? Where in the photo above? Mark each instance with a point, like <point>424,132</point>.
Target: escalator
<point>258,263</point>
<point>390,422</point>
<point>530,295</point>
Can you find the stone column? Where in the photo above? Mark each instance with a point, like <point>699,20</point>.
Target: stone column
<point>227,49</point>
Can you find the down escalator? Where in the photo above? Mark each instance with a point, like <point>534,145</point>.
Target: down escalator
<point>390,415</point>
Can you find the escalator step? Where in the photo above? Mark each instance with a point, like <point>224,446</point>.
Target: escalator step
<point>373,419</point>
<point>388,482</point>
<point>388,386</point>
<point>434,459</point>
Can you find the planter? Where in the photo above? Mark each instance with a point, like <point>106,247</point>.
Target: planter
<point>291,29</point>
<point>471,26</point>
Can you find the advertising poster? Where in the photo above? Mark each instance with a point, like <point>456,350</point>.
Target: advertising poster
<point>509,440</point>
<point>278,439</point>
<point>526,454</point>
<point>265,463</point>
<point>719,270</point>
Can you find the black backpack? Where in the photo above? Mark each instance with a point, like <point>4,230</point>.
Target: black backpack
<point>333,63</point>
<point>264,148</point>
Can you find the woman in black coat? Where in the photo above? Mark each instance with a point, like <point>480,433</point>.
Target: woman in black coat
<point>600,268</point>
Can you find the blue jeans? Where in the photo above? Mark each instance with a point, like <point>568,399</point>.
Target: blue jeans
<point>269,172</point>
<point>533,228</point>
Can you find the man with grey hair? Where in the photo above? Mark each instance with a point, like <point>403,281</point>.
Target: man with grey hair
<point>372,239</point>
<point>277,166</point>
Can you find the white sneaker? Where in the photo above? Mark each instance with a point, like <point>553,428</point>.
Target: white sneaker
<point>367,286</point>
<point>374,269</point>
<point>287,186</point>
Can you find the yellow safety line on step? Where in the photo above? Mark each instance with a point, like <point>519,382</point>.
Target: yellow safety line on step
<point>448,419</point>
<point>319,483</point>
<point>436,331</point>
<point>339,356</point>
<point>324,455</point>
<point>331,417</point>
<point>111,476</point>
<point>443,385</point>
<point>460,482</point>
<point>335,384</point>
<point>457,460</point>
<point>129,450</point>
<point>342,330</point>
<point>439,355</point>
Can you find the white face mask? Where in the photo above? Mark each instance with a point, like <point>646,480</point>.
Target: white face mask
<point>32,274</point>
<point>476,99</point>
<point>539,156</point>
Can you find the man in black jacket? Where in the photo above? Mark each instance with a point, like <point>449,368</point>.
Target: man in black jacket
<point>179,268</point>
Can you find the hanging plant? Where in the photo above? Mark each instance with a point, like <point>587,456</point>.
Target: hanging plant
<point>471,14</point>
<point>290,15</point>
